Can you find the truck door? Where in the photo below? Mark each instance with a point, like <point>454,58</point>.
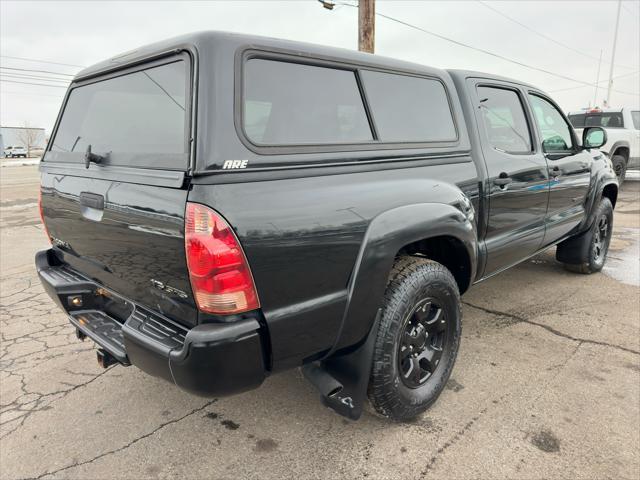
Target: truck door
<point>569,168</point>
<point>517,179</point>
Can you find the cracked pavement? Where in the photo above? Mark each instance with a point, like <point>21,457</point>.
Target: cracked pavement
<point>547,385</point>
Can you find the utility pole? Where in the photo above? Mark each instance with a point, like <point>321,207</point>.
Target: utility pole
<point>613,53</point>
<point>366,22</point>
<point>366,25</point>
<point>595,95</point>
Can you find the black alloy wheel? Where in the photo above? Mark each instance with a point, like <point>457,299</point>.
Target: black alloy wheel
<point>601,238</point>
<point>423,338</point>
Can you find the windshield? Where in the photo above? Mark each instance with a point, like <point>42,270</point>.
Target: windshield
<point>137,119</point>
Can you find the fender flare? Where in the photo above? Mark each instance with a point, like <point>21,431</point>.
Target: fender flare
<point>594,202</point>
<point>618,144</point>
<point>386,235</point>
<point>603,177</point>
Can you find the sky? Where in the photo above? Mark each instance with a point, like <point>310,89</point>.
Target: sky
<point>562,37</point>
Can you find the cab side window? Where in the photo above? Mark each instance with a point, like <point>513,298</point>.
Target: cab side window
<point>555,132</point>
<point>504,120</point>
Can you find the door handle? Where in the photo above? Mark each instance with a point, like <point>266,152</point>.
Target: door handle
<point>555,172</point>
<point>503,180</point>
<point>92,200</point>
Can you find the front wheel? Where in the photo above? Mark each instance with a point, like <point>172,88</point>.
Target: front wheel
<point>417,340</point>
<point>587,252</point>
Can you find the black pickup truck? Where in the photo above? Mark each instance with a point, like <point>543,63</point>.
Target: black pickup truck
<point>222,207</point>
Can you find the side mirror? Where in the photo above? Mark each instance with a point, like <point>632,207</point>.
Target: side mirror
<point>594,137</point>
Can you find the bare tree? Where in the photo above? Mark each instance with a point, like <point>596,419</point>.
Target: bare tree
<point>28,136</point>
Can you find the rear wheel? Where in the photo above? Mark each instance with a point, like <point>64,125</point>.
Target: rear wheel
<point>620,167</point>
<point>418,338</point>
<point>587,252</point>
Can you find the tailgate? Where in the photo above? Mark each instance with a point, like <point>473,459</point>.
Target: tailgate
<point>119,219</point>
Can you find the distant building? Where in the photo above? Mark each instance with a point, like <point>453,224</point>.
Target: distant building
<point>20,136</point>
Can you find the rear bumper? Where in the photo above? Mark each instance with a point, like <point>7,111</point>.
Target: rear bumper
<point>210,360</point>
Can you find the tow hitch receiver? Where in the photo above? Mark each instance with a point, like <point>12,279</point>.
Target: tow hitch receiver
<point>105,359</point>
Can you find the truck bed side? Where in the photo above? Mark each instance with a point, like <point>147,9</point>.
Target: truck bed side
<point>303,236</point>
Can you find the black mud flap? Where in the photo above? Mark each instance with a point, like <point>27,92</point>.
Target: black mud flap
<point>343,380</point>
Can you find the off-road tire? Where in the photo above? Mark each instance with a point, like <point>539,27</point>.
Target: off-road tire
<point>413,280</point>
<point>587,253</point>
<point>619,167</point>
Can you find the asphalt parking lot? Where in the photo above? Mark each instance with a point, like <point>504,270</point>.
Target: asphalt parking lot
<point>547,385</point>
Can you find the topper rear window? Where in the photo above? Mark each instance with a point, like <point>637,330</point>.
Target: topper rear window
<point>137,119</point>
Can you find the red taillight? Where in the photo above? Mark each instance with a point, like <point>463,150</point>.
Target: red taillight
<point>220,276</point>
<point>44,225</point>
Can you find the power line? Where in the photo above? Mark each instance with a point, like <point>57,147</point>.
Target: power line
<point>41,77</point>
<point>569,88</point>
<point>599,83</point>
<point>546,37</point>
<point>486,52</point>
<point>34,77</point>
<point>2,92</point>
<point>30,83</point>
<point>585,86</point>
<point>37,71</point>
<point>42,61</point>
<point>626,74</point>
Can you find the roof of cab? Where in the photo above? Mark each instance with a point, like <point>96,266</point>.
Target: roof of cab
<point>204,41</point>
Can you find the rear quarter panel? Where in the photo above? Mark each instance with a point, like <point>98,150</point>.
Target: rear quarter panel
<point>302,237</point>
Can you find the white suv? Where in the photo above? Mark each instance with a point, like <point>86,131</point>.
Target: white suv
<point>623,134</point>
<point>13,152</point>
